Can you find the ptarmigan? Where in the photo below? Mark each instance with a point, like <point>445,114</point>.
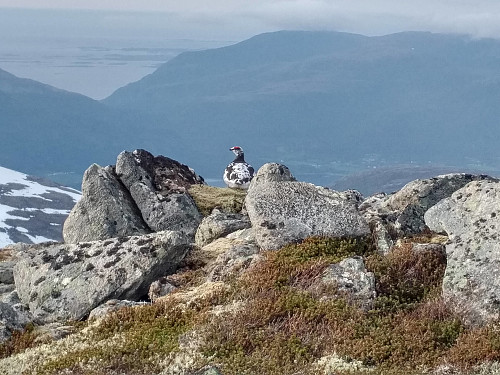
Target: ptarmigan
<point>239,173</point>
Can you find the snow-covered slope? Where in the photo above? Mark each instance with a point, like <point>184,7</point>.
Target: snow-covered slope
<point>32,210</point>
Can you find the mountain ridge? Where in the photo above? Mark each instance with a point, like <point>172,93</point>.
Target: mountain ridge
<point>391,95</point>
<point>322,102</point>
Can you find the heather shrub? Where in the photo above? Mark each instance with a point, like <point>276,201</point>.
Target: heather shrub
<point>477,345</point>
<point>19,341</point>
<point>405,277</point>
<point>126,341</point>
<point>300,263</point>
<point>280,325</point>
<point>417,330</point>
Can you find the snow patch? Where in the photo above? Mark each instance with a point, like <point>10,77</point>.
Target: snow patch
<point>20,185</point>
<point>32,188</point>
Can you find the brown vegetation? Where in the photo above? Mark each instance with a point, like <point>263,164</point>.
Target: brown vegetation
<point>285,327</point>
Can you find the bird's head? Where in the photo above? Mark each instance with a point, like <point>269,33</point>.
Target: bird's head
<point>237,150</point>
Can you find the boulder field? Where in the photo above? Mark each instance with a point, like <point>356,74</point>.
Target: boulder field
<point>139,226</point>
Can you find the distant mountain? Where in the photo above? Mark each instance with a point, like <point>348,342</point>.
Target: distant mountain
<point>50,132</point>
<point>326,104</point>
<point>32,210</point>
<point>316,99</point>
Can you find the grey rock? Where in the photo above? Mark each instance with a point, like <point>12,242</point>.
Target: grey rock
<point>354,196</point>
<point>6,288</point>
<point>207,370</point>
<point>402,213</point>
<point>233,261</point>
<point>112,305</point>
<point>243,235</point>
<point>106,209</point>
<point>158,186</point>
<point>66,281</point>
<point>11,298</point>
<point>471,218</point>
<point>160,288</point>
<point>219,224</point>
<point>6,272</point>
<point>11,319</point>
<point>288,211</point>
<point>272,172</point>
<point>352,280</point>
<point>430,247</point>
<point>52,332</point>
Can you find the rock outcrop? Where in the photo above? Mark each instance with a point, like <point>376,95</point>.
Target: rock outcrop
<point>272,172</point>
<point>12,319</point>
<point>471,218</point>
<point>402,213</point>
<point>285,211</point>
<point>66,281</point>
<point>219,224</point>
<point>142,194</point>
<point>112,305</point>
<point>160,288</point>
<point>158,186</point>
<point>207,296</point>
<point>106,209</point>
<point>352,280</point>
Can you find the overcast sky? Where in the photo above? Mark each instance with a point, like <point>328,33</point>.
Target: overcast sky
<point>236,19</point>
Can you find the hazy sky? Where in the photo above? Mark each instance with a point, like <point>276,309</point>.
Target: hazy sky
<point>84,49</point>
<point>236,19</point>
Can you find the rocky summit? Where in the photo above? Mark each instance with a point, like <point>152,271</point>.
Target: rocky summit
<point>161,274</point>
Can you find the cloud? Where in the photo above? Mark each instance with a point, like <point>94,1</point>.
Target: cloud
<point>242,18</point>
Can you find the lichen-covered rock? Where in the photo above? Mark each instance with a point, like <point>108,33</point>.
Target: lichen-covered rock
<point>66,281</point>
<point>352,280</point>
<point>287,211</point>
<point>52,332</point>
<point>110,306</point>
<point>158,186</point>
<point>6,272</point>
<point>12,319</point>
<point>402,213</point>
<point>471,218</point>
<point>207,370</point>
<point>272,172</point>
<point>106,209</point>
<point>160,288</point>
<point>235,260</point>
<point>219,224</point>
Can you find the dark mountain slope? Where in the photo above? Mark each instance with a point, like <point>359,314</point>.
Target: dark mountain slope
<point>46,130</point>
<point>313,98</point>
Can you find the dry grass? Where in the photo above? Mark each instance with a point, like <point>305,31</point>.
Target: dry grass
<point>5,254</point>
<point>209,197</point>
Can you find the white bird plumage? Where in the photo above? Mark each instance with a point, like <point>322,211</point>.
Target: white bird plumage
<point>238,173</point>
